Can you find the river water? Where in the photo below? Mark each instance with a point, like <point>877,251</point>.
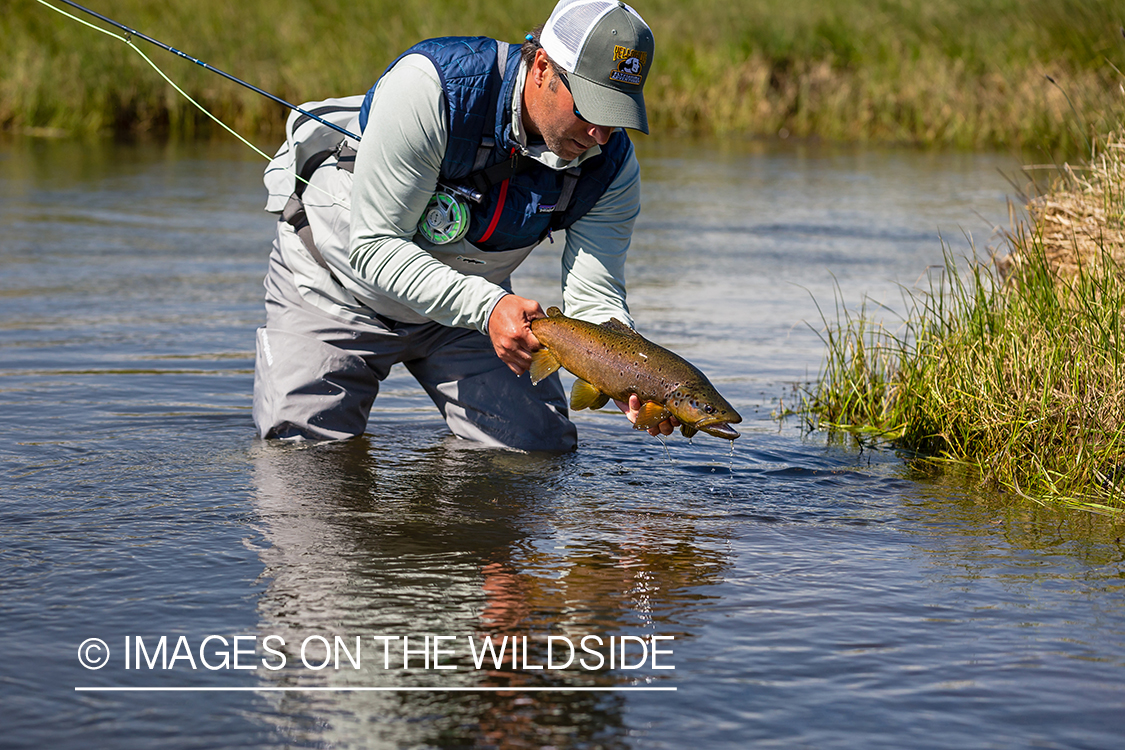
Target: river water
<point>807,593</point>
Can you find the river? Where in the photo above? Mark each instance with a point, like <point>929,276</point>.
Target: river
<point>785,591</point>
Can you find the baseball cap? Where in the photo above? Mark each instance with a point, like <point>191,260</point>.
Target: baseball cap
<point>606,48</point>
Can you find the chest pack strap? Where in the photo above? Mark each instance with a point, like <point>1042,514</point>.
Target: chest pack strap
<point>484,179</point>
<point>570,180</point>
<point>488,142</point>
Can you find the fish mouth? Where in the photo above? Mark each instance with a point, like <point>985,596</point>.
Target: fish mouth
<point>720,429</point>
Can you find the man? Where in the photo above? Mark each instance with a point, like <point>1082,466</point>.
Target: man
<point>383,266</point>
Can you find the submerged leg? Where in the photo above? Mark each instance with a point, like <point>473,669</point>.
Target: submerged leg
<point>482,400</point>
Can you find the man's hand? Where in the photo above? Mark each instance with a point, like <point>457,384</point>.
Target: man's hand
<point>509,327</point>
<point>633,407</point>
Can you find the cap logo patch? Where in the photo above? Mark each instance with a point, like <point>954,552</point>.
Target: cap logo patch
<point>630,63</point>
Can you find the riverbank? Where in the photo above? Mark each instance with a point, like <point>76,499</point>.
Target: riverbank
<point>1015,370</point>
<point>940,73</point>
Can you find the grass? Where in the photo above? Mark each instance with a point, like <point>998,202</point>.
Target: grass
<point>966,73</point>
<point>1015,369</point>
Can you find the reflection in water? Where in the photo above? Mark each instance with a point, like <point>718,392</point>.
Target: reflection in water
<point>365,540</point>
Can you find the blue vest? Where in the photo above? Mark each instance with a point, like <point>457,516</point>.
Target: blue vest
<point>479,106</point>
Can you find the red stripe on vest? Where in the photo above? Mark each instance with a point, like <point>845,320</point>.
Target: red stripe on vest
<point>496,214</point>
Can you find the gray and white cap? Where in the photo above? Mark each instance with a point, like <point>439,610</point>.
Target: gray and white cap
<point>606,48</point>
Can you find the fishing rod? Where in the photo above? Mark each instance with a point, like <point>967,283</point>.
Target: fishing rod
<point>133,32</point>
<point>440,214</point>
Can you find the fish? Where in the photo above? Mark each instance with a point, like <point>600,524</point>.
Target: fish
<point>611,360</point>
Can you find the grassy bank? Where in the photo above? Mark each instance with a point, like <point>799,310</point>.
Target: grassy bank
<point>966,73</point>
<point>1015,370</point>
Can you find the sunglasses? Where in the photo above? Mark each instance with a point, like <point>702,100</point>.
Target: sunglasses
<point>566,82</point>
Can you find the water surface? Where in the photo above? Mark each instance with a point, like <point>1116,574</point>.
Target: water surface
<point>815,595</point>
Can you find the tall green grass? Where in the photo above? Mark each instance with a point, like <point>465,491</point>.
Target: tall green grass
<point>966,73</point>
<point>1015,370</point>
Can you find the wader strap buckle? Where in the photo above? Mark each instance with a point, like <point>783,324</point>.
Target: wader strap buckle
<point>345,157</point>
<point>294,215</point>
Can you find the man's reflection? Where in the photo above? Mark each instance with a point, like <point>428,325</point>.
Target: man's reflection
<point>447,541</point>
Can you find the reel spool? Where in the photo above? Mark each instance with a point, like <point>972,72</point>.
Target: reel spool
<point>446,219</point>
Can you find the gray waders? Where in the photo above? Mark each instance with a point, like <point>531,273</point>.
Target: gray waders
<point>317,374</point>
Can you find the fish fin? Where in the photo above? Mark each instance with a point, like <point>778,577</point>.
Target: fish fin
<point>650,415</point>
<point>554,312</point>
<point>687,430</point>
<point>616,325</point>
<point>585,396</point>
<point>543,363</point>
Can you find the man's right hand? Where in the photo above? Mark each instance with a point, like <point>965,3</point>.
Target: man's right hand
<point>509,327</point>
<point>632,409</point>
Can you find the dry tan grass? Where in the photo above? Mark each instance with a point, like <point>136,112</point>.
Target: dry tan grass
<point>1080,221</point>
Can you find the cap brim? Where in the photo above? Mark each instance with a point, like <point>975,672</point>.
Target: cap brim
<point>607,106</point>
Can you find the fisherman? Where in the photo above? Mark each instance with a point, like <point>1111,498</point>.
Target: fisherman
<point>400,248</point>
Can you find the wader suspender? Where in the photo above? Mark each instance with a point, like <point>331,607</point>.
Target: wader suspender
<point>482,179</point>
<point>294,211</point>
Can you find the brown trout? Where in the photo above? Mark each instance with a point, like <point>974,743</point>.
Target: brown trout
<point>613,361</point>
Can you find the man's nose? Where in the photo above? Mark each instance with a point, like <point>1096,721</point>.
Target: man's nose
<point>600,133</point>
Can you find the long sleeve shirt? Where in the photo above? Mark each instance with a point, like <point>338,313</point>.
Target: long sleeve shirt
<point>398,273</point>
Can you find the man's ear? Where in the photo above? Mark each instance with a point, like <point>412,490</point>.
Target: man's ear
<point>539,67</point>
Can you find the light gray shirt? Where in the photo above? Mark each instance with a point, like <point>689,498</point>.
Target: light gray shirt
<point>395,271</point>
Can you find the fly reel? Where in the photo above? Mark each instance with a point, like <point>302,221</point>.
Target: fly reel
<point>445,220</point>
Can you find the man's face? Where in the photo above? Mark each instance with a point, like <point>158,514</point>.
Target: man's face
<point>550,112</point>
